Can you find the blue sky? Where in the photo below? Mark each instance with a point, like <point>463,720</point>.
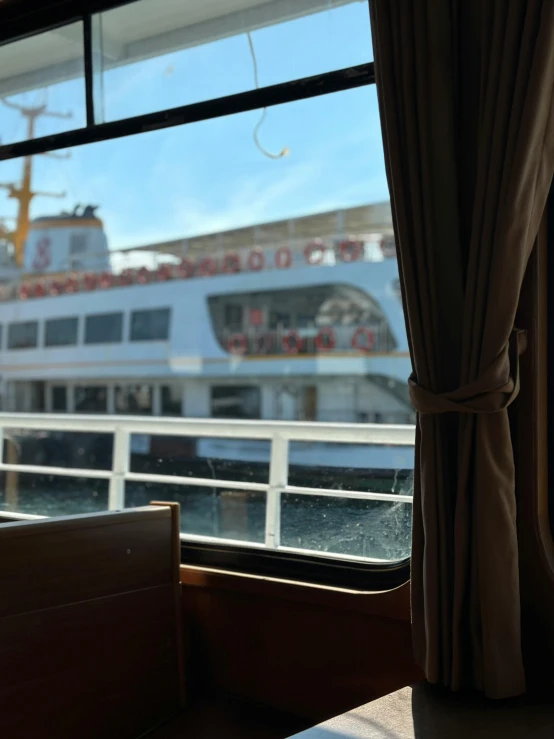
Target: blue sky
<point>210,176</point>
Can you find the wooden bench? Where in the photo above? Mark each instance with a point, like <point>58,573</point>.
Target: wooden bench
<point>90,625</point>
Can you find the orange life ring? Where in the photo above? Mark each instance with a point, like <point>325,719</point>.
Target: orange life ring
<point>288,347</point>
<point>283,257</point>
<point>39,290</point>
<point>105,280</point>
<point>368,336</point>
<point>143,275</point>
<point>256,260</point>
<point>55,288</point>
<point>236,344</point>
<point>71,285</point>
<point>126,277</point>
<point>185,268</point>
<point>316,247</point>
<point>89,281</point>
<point>231,263</point>
<point>207,267</point>
<point>325,340</point>
<point>24,292</point>
<point>350,250</point>
<point>164,272</point>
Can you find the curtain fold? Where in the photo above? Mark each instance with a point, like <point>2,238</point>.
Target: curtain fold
<point>465,92</point>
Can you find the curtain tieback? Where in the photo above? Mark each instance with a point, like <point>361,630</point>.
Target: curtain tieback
<point>492,391</point>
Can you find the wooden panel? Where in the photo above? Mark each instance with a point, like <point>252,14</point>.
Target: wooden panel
<point>93,670</point>
<point>44,564</point>
<point>303,650</point>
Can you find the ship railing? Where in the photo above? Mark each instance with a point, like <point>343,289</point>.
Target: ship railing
<point>279,434</point>
<point>93,271</point>
<point>371,337</point>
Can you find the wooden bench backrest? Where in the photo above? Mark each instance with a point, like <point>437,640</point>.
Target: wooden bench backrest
<point>90,625</point>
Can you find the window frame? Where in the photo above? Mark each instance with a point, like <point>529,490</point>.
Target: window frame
<point>17,22</point>
<point>112,314</point>
<point>144,311</point>
<point>48,321</point>
<point>12,324</point>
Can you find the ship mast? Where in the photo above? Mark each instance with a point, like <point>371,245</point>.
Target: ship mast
<point>24,193</point>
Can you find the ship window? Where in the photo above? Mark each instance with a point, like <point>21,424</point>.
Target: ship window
<point>61,332</point>
<point>78,243</point>
<point>23,335</point>
<point>133,399</point>
<point>150,325</point>
<point>233,317</point>
<point>171,400</point>
<point>104,328</point>
<point>91,399</point>
<point>59,399</point>
<point>236,401</point>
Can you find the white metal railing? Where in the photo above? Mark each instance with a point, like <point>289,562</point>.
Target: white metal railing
<point>278,433</point>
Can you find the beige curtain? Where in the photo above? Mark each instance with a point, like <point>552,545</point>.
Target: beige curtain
<point>466,100</point>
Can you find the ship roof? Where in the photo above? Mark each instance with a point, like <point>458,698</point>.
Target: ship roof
<point>362,219</point>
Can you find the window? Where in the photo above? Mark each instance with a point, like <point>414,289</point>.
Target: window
<point>77,243</point>
<point>23,335</point>
<point>91,399</point>
<point>42,64</point>
<point>104,328</point>
<point>61,332</point>
<point>134,400</point>
<point>242,193</point>
<point>59,399</point>
<point>150,325</point>
<point>171,400</point>
<point>326,319</point>
<point>247,50</point>
<point>236,402</point>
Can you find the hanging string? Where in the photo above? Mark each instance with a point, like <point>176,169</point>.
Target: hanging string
<point>264,151</point>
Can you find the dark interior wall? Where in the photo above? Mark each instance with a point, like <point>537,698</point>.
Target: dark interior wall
<point>307,651</point>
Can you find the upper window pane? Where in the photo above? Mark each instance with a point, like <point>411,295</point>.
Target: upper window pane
<point>42,77</point>
<point>23,335</point>
<point>61,332</point>
<point>104,328</point>
<point>157,54</point>
<point>150,325</point>
<point>91,399</point>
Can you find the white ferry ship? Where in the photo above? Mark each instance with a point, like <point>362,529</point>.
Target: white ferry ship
<point>291,320</point>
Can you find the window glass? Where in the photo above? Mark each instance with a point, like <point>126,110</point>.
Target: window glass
<point>268,235</point>
<point>236,401</point>
<point>42,77</point>
<point>61,332</point>
<point>59,399</point>
<point>150,325</point>
<point>133,399</point>
<point>157,54</point>
<point>171,400</point>
<point>303,320</point>
<point>23,335</point>
<point>91,399</point>
<point>104,328</point>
